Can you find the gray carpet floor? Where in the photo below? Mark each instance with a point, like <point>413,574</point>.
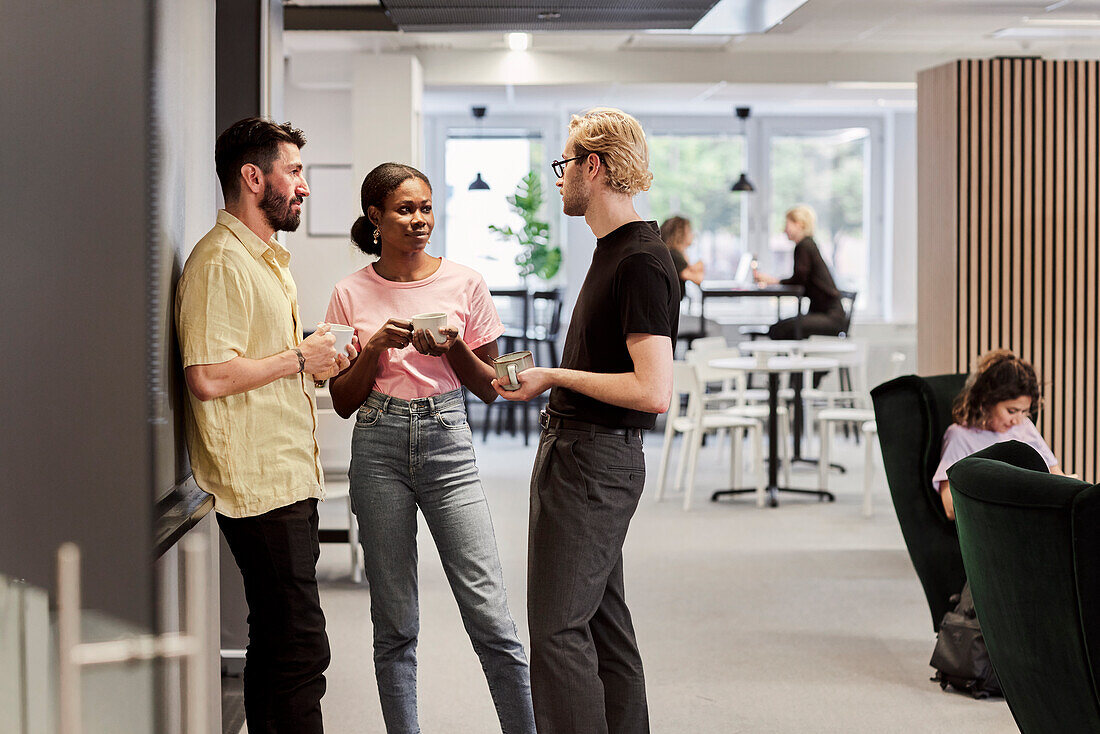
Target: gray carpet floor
<point>803,618</point>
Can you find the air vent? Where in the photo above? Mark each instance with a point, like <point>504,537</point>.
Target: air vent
<point>525,15</point>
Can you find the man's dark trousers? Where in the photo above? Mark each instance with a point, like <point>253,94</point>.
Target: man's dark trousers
<point>586,671</point>
<point>287,646</point>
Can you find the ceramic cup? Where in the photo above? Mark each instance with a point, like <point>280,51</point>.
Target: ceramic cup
<point>510,365</point>
<point>343,336</point>
<point>433,322</point>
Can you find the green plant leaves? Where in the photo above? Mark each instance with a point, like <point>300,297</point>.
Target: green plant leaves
<point>539,257</point>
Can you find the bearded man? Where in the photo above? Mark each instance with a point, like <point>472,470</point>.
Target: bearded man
<point>251,416</point>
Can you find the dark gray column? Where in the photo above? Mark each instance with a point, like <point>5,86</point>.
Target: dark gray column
<point>76,452</point>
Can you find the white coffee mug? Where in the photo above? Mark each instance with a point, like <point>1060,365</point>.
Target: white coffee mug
<point>433,322</point>
<point>510,365</point>
<point>343,336</point>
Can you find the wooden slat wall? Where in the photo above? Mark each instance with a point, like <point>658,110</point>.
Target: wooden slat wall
<point>1026,259</point>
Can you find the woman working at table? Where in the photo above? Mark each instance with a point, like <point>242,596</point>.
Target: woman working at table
<point>826,314</point>
<point>678,235</point>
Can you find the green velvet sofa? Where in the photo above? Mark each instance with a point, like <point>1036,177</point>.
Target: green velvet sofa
<point>1030,544</point>
<point>912,414</point>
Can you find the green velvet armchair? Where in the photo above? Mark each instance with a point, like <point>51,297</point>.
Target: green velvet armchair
<point>1031,547</point>
<point>912,413</point>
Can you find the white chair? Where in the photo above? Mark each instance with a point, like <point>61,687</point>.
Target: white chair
<point>707,344</point>
<point>334,442</point>
<point>865,417</point>
<point>696,421</point>
<point>736,398</point>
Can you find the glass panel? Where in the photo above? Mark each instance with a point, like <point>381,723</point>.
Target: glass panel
<point>25,657</point>
<point>502,163</point>
<point>829,171</point>
<point>692,176</point>
<point>116,698</point>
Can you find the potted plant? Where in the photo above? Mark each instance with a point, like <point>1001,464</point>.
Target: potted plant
<point>538,256</point>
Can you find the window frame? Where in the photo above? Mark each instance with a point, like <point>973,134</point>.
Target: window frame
<point>438,129</point>
<point>872,303</point>
<point>758,131</point>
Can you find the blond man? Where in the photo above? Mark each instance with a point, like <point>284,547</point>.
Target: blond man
<point>616,375</point>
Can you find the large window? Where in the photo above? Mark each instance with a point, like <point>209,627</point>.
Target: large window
<point>502,162</point>
<point>827,170</point>
<point>691,177</point>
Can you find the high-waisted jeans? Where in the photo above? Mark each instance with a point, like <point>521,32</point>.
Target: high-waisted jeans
<point>419,453</point>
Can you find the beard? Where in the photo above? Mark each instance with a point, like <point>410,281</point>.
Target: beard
<point>280,212</point>
<point>574,201</point>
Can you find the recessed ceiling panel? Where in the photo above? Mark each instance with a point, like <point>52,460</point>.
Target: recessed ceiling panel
<point>563,15</point>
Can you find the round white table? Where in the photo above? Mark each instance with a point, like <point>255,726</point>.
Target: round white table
<point>774,367</point>
<point>796,347</point>
<point>799,348</point>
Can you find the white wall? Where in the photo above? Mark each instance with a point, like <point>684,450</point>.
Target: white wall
<point>318,262</point>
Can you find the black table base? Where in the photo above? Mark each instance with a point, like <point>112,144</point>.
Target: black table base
<point>815,462</point>
<point>773,489</point>
<point>773,494</point>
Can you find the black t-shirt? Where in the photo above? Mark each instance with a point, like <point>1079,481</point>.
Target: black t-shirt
<point>680,263</point>
<point>631,288</point>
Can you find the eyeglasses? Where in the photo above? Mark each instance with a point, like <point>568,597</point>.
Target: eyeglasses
<point>559,166</point>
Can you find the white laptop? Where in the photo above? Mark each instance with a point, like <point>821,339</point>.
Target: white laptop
<point>743,274</point>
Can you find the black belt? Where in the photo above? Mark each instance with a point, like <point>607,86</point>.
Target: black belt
<point>549,422</point>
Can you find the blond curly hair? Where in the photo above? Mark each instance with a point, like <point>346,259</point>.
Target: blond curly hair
<point>619,141</point>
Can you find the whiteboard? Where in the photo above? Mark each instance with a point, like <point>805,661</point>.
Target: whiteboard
<point>333,203</point>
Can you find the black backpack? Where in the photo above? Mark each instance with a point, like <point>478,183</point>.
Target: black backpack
<point>960,658</point>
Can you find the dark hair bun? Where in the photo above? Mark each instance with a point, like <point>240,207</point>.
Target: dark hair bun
<point>362,234</point>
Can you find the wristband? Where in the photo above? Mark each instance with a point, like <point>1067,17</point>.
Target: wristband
<point>301,360</point>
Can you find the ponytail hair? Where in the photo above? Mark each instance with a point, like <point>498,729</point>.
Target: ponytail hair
<point>1000,375</point>
<point>379,184</point>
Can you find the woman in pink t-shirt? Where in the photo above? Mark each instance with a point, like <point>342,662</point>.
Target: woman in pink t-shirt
<point>995,405</point>
<point>412,447</point>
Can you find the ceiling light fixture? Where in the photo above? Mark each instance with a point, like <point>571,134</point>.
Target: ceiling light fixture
<point>873,85</point>
<point>742,183</point>
<point>478,184</point>
<point>1063,22</point>
<point>519,41</point>
<point>1040,28</point>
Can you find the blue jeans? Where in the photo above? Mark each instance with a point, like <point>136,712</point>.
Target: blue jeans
<point>419,453</point>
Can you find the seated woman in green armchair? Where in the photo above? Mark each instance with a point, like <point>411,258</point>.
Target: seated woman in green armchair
<point>995,405</point>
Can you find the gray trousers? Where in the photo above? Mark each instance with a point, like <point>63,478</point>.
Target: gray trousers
<point>586,671</point>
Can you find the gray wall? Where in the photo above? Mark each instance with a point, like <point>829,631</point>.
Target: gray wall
<point>76,449</point>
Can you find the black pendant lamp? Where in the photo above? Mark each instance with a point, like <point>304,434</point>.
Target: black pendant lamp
<point>478,184</point>
<point>742,183</point>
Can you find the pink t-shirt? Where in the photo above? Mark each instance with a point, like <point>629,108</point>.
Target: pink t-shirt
<point>366,301</point>
<point>962,441</point>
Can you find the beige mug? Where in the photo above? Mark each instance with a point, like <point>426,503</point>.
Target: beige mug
<point>433,322</point>
<point>510,365</point>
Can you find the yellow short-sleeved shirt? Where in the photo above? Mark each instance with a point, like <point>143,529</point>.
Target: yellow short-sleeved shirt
<point>255,451</point>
